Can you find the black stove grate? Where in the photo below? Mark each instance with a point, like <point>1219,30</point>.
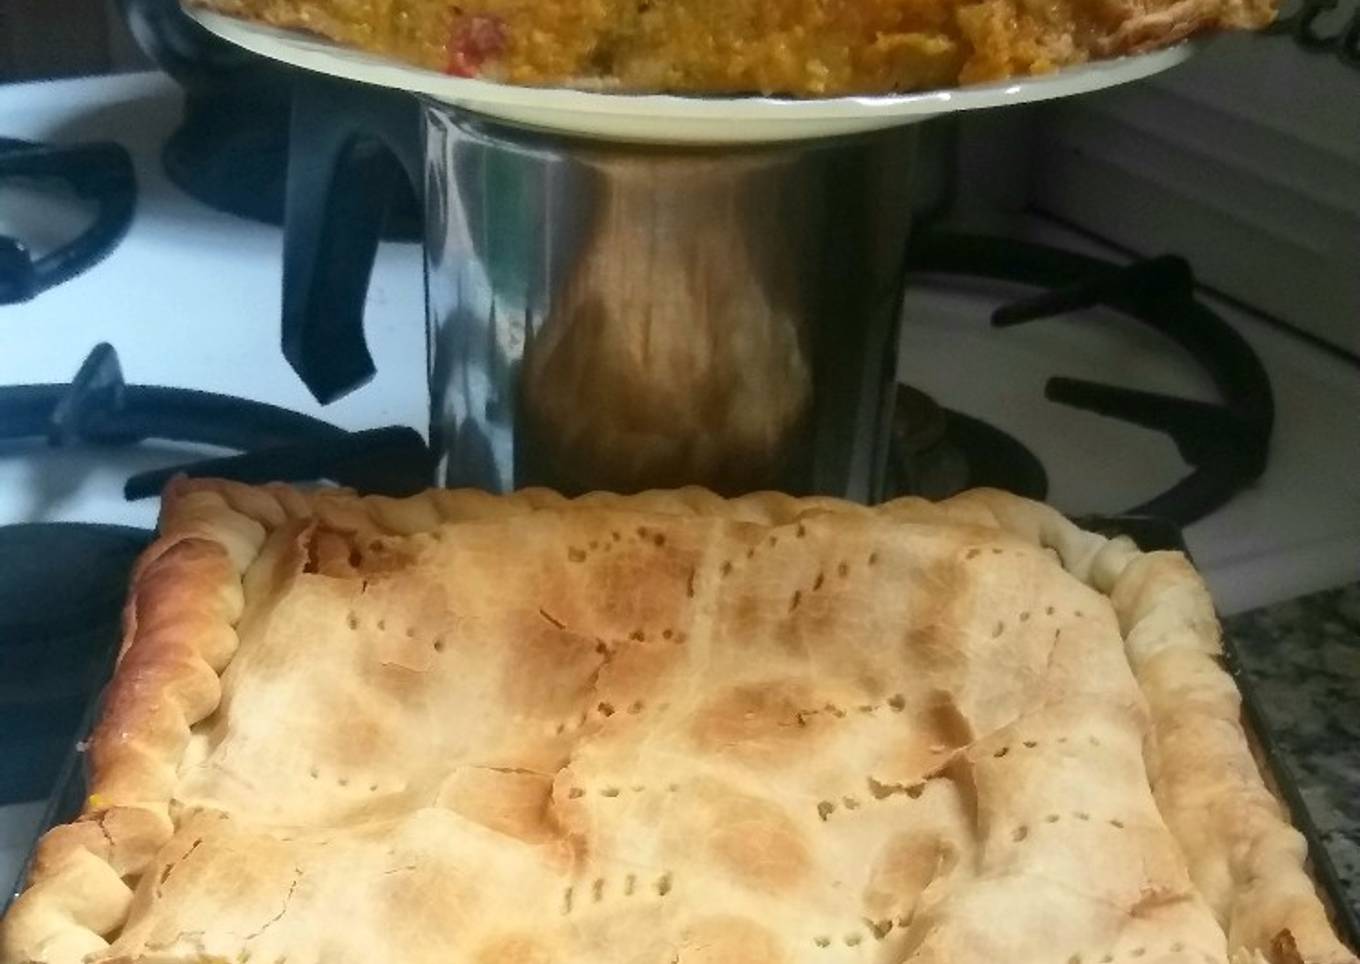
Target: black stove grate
<point>101,173</point>
<point>1226,444</point>
<point>278,445</point>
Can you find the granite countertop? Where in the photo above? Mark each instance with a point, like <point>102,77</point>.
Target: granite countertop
<point>1303,659</point>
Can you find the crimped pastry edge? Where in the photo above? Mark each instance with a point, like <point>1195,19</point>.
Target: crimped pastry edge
<point>186,597</point>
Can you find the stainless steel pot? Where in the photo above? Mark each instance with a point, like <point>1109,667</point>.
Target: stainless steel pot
<point>622,317</point>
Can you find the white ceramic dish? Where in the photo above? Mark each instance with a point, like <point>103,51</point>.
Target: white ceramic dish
<point>669,119</point>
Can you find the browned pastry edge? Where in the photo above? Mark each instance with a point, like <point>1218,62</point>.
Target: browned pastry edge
<point>187,596</point>
<point>1150,29</point>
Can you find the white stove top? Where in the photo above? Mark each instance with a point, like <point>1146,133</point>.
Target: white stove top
<point>191,298</point>
<point>1297,530</point>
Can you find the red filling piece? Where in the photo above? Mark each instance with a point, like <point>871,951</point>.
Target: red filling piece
<point>475,40</point>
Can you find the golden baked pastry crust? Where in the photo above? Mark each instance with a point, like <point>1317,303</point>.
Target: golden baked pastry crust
<point>800,47</point>
<point>664,727</point>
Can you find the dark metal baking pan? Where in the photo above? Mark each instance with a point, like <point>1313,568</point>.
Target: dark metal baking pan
<point>1150,535</point>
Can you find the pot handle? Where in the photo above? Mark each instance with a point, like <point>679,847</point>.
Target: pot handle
<point>349,146</point>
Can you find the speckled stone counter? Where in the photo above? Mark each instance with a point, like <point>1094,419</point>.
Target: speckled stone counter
<point>1303,657</point>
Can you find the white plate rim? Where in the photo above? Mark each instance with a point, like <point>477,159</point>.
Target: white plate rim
<point>569,109</point>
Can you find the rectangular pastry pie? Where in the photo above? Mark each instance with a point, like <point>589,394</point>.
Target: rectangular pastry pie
<point>664,729</point>
<point>801,47</point>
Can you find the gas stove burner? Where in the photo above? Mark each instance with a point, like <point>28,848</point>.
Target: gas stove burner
<point>231,152</point>
<point>277,445</point>
<point>101,173</point>
<point>1226,444</point>
<point>230,156</point>
<point>61,596</point>
<point>936,453</point>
